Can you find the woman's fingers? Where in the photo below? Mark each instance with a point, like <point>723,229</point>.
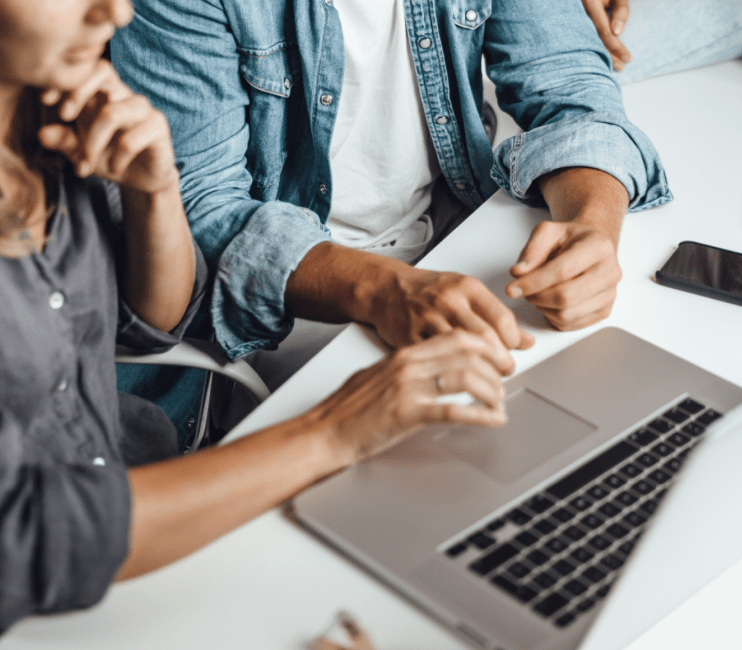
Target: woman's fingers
<point>58,137</point>
<point>103,79</point>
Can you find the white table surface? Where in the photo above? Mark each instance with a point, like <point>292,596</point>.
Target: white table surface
<point>270,585</point>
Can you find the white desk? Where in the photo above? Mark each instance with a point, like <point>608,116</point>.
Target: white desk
<point>270,586</point>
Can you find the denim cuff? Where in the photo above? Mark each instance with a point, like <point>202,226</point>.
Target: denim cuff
<point>598,140</point>
<point>247,308</point>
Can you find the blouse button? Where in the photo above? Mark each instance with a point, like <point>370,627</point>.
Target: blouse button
<point>56,300</point>
<point>99,461</point>
<point>460,186</point>
<point>471,15</point>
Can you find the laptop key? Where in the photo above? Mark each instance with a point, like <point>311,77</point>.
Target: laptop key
<point>643,487</point>
<point>519,570</point>
<point>678,439</point>
<point>630,470</point>
<point>627,547</point>
<point>603,591</point>
<point>551,604</point>
<point>556,545</point>
<point>594,574</point>
<point>643,437</point>
<point>456,550</point>
<point>599,542</point>
<point>480,540</point>
<point>545,579</point>
<point>615,481</point>
<point>663,449</point>
<point>609,510</point>
<point>660,426</point>
<point>694,429</point>
<point>691,406</point>
<point>585,605</point>
<point>676,415</point>
<point>494,559</point>
<point>673,465</point>
<point>574,533</point>
<point>649,506</point>
<point>539,504</point>
<point>708,417</point>
<point>519,517</point>
<point>580,503</point>
<point>545,527</point>
<point>537,557</point>
<point>582,555</point>
<point>575,587</point>
<point>626,498</point>
<point>634,519</point>
<point>495,525</point>
<point>563,567</point>
<point>565,619</point>
<point>527,539</point>
<point>617,531</point>
<point>521,592</point>
<point>597,492</point>
<point>592,521</point>
<point>563,514</point>
<point>660,476</point>
<point>613,562</point>
<point>648,460</point>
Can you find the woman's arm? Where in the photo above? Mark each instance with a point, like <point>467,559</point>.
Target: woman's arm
<point>183,504</point>
<point>119,136</point>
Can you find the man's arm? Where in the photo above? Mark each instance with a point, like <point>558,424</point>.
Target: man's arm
<point>579,155</point>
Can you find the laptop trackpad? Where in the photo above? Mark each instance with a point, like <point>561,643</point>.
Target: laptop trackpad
<point>536,431</point>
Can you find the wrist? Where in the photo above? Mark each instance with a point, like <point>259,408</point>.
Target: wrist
<point>381,279</point>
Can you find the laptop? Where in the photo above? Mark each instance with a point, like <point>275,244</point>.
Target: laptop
<point>559,530</point>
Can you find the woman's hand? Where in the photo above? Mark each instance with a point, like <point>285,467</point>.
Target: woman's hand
<point>609,17</point>
<point>379,406</point>
<point>112,133</point>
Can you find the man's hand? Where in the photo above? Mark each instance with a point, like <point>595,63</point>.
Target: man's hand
<point>570,270</point>
<point>405,305</point>
<point>609,17</point>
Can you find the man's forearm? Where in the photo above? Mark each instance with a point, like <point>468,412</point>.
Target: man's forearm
<point>590,196</point>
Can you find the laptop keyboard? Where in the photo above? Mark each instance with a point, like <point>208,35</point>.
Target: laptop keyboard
<point>559,551</point>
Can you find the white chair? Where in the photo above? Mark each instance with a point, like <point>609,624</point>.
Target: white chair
<point>195,353</point>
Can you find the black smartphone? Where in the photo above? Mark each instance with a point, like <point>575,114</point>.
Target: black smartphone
<point>705,270</point>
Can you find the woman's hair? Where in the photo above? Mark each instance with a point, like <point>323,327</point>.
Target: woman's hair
<point>23,153</point>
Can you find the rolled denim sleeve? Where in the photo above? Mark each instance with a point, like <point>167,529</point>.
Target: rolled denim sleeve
<point>553,76</point>
<point>63,532</point>
<point>182,55</point>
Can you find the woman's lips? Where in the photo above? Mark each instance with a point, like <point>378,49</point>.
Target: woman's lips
<point>86,53</point>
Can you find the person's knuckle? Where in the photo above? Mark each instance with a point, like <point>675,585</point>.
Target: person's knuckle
<point>505,321</point>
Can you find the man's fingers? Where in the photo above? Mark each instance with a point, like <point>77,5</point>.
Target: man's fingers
<point>544,239</point>
<point>619,15</point>
<point>587,313</point>
<point>600,19</point>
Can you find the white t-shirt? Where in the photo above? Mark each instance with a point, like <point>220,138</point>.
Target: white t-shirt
<point>382,158</point>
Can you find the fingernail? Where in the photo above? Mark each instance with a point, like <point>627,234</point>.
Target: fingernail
<point>50,97</point>
<point>618,27</point>
<point>521,265</point>
<point>626,58</point>
<point>515,292</point>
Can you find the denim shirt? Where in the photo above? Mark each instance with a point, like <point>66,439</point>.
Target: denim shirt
<point>251,89</point>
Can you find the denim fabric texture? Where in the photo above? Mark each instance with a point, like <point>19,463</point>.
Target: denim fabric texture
<point>241,84</point>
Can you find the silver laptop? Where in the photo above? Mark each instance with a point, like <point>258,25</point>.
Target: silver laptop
<point>516,537</point>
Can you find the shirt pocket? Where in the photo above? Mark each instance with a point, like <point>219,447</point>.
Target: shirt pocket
<point>273,77</point>
<point>470,14</point>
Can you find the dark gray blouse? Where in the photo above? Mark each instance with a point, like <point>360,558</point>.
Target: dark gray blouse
<point>64,494</point>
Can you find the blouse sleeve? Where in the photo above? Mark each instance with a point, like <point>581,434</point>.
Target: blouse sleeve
<point>63,529</point>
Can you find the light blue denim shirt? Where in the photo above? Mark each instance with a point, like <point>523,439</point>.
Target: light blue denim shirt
<point>242,83</point>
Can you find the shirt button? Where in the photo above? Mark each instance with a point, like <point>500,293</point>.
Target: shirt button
<point>99,461</point>
<point>286,83</point>
<point>425,43</point>
<point>471,15</point>
<point>442,119</point>
<point>460,186</point>
<point>328,3</point>
<point>323,188</point>
<point>326,100</point>
<point>56,300</point>
<point>62,385</point>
